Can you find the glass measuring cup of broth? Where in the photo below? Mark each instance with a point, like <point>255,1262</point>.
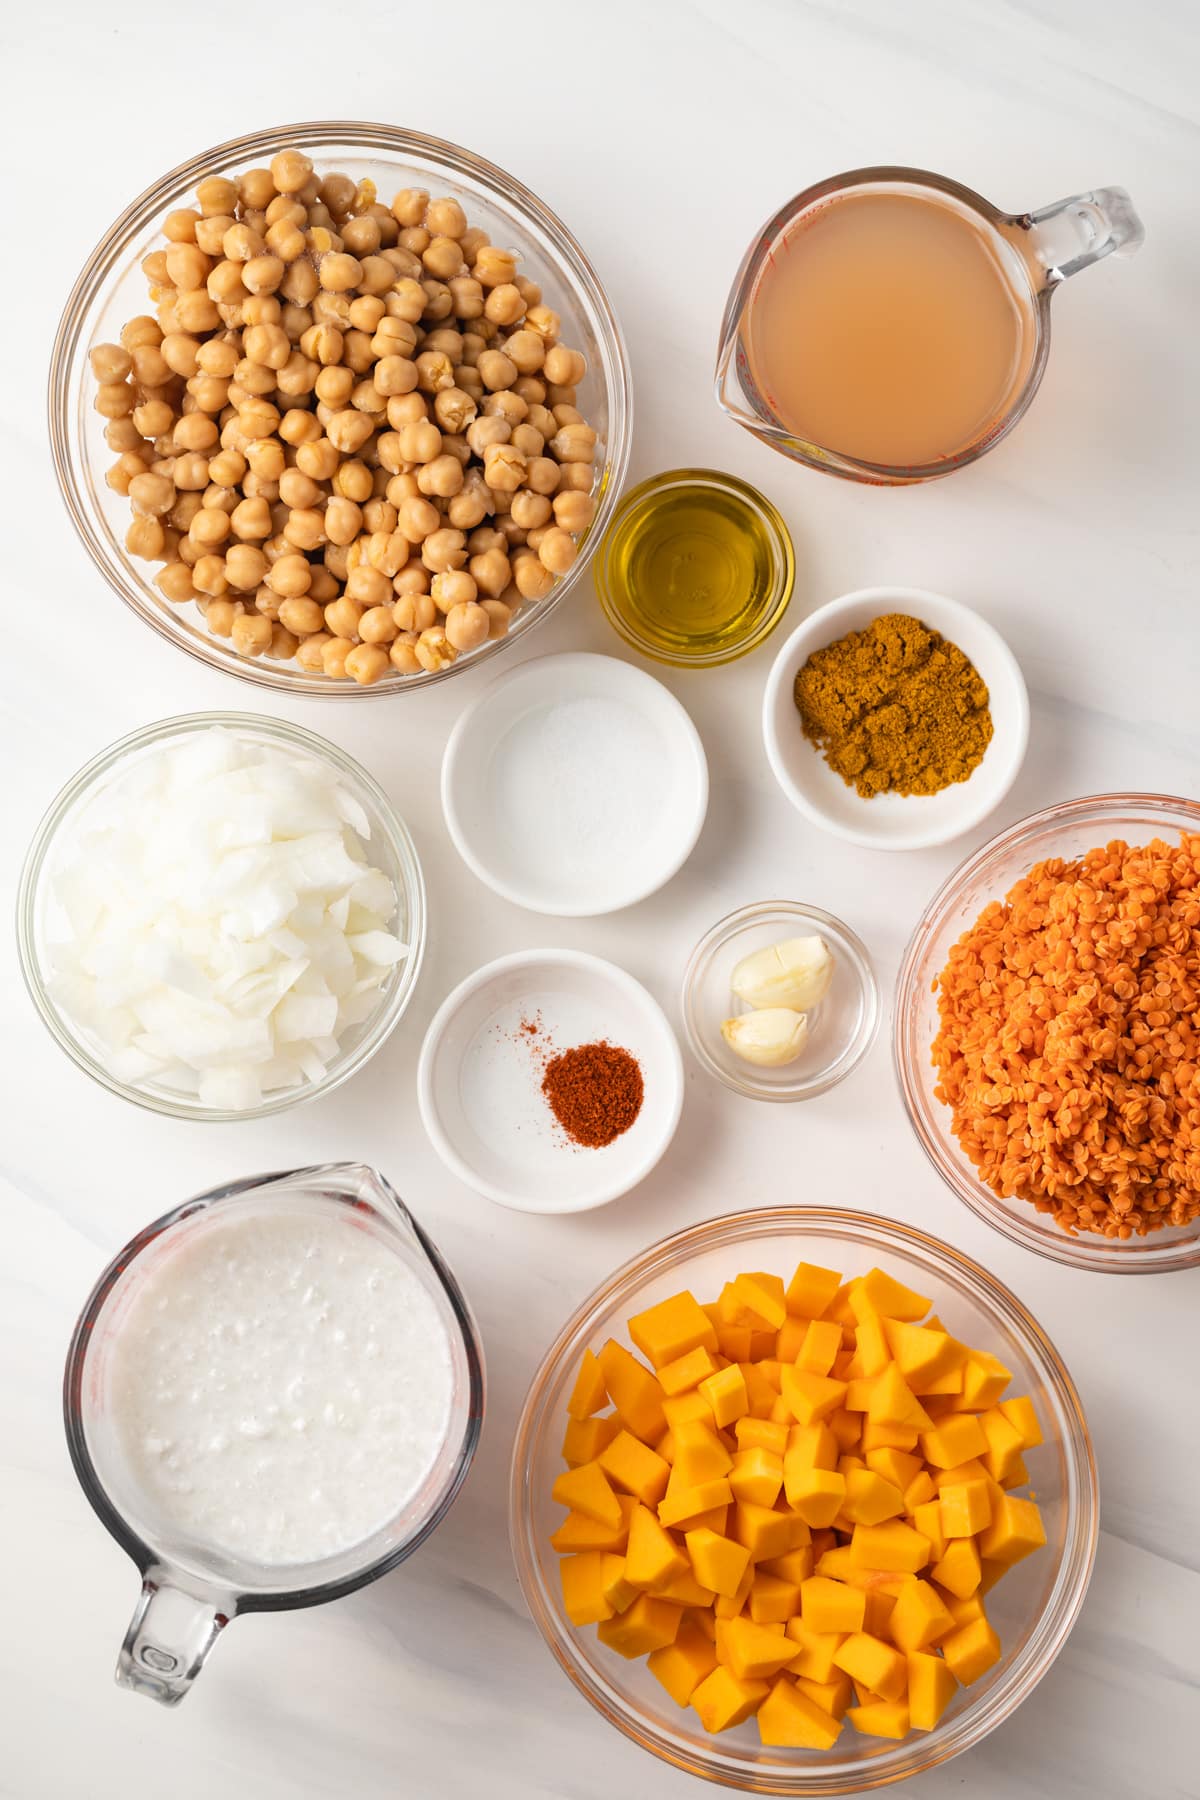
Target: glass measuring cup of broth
<point>889,325</point>
<point>272,1396</point>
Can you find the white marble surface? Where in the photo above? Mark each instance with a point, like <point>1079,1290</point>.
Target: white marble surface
<point>663,135</point>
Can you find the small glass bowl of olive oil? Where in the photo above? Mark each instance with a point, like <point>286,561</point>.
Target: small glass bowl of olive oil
<point>695,569</point>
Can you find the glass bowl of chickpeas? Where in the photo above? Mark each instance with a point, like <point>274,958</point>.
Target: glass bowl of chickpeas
<point>339,408</point>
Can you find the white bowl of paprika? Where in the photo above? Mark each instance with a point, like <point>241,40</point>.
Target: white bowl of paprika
<point>550,1081</point>
<point>883,707</point>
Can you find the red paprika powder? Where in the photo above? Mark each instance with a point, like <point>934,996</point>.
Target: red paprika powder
<point>594,1091</point>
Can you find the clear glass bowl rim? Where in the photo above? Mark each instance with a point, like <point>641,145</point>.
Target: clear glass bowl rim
<point>386,140</point>
<point>1081,1496</point>
<point>781,542</point>
<point>1112,1257</point>
<point>747,1086</point>
<point>311,744</point>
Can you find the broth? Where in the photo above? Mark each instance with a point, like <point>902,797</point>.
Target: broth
<point>893,327</point>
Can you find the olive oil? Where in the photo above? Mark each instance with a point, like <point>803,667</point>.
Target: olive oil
<point>697,568</point>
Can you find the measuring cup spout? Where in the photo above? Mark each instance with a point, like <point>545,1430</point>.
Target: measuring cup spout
<point>169,1638</point>
<point>1073,234</point>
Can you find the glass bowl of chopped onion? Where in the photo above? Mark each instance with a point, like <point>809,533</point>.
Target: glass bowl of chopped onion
<point>111,289</point>
<point>221,916</point>
<point>1033,1609</point>
<point>1089,1139</point>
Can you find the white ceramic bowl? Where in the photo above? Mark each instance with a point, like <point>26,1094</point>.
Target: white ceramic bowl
<point>575,785</point>
<point>895,821</point>
<point>479,1080</point>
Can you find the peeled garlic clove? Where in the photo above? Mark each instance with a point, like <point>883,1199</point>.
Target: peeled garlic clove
<point>769,1038</point>
<point>795,973</point>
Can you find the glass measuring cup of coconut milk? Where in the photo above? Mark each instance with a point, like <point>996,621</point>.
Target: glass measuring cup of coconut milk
<point>890,326</point>
<point>272,1396</point>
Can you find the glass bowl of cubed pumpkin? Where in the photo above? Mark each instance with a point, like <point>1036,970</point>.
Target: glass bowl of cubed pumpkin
<point>803,1501</point>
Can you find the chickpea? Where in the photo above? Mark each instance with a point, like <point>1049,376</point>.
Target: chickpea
<point>353,481</point>
<point>574,511</point>
<point>217,357</point>
<point>300,615</point>
<point>379,514</point>
<point>290,170</point>
<point>491,572</point>
<point>414,238</point>
<point>319,458</point>
<point>470,507</point>
<point>499,616</point>
<point>196,312</point>
<point>377,626</point>
<point>466,297</point>
<point>220,616</point>
<point>505,405</point>
<point>122,435</point>
<point>245,566</point>
<point>187,267</point>
<point>338,273</point>
<point>368,586</point>
<point>545,322</point>
<point>575,478</point>
<point>543,475</point>
<point>174,583</point>
<point>483,433</point>
<point>195,431</point>
<point>529,509</point>
<point>413,578</point>
<point>434,651</point>
<point>208,576</point>
<point>251,519</point>
<point>210,527</point>
<point>324,586</point>
<point>251,634</point>
<point>454,409</point>
<point>285,240</point>
<point>525,350</point>
<point>527,439</point>
<point>145,538</point>
<point>387,551</point>
<point>504,305</point>
<point>114,400</point>
<point>533,579</point>
<point>366,663</point>
<point>348,431</point>
<point>416,518</point>
<point>154,418</point>
<point>493,267</point>
<point>504,468</point>
<point>191,472</point>
<point>334,386</point>
<point>557,550</point>
<point>289,576</point>
<point>140,331</point>
<point>452,588</point>
<point>186,507</point>
<point>563,367</point>
<point>533,393</point>
<point>152,494</point>
<point>283,645</point>
<point>361,236</point>
<point>342,616</point>
<point>395,375</point>
<point>444,549</point>
<point>338,191</point>
<point>414,612</point>
<point>333,656</point>
<point>496,370</point>
<point>309,655</point>
<point>305,528</point>
<point>443,259</point>
<point>110,362</point>
<point>466,626</point>
<point>402,653</point>
<point>442,477</point>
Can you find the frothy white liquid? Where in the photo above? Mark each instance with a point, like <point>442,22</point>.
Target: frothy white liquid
<point>280,1386</point>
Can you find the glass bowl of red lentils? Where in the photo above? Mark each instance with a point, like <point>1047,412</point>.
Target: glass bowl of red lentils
<point>569,307</point>
<point>1032,1610</point>
<point>1063,1106</point>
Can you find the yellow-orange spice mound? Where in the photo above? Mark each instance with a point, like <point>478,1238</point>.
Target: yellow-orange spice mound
<point>1069,1047</point>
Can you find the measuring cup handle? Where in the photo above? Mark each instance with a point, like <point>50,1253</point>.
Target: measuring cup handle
<point>1075,233</point>
<point>169,1637</point>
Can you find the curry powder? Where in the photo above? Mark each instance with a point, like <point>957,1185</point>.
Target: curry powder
<point>895,708</point>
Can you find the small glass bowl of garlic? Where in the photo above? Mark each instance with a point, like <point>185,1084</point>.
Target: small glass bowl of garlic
<point>780,1001</point>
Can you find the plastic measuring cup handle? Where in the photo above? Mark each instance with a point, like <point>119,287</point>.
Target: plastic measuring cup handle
<point>1075,233</point>
<point>169,1638</point>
